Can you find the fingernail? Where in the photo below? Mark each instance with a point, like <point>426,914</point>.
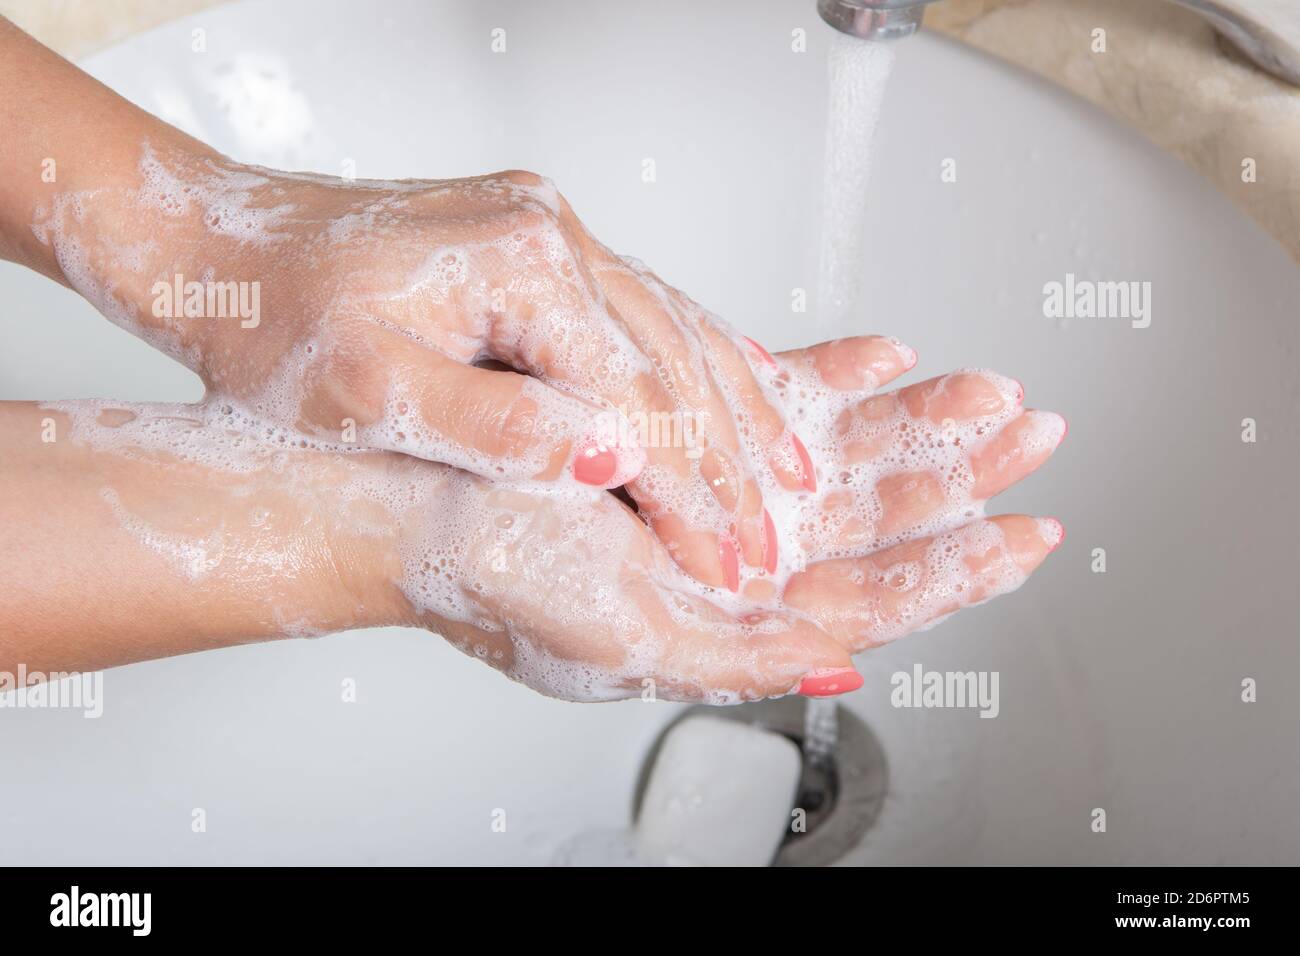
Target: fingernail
<point>830,682</point>
<point>1053,532</point>
<point>763,353</point>
<point>906,353</point>
<point>1044,430</point>
<point>1060,426</point>
<point>769,543</point>
<point>730,559</point>
<point>594,464</point>
<point>809,475</point>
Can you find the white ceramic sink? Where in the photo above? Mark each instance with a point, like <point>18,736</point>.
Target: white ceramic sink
<point>1118,690</point>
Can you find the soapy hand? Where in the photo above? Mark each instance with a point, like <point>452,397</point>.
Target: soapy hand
<point>358,312</point>
<point>566,591</point>
<point>229,539</point>
<point>363,312</point>
<point>576,599</point>
<point>897,538</point>
<point>379,298</point>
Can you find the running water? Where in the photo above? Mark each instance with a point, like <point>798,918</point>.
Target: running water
<point>821,730</point>
<point>858,72</point>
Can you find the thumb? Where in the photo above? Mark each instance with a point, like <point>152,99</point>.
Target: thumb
<point>771,656</point>
<point>503,426</point>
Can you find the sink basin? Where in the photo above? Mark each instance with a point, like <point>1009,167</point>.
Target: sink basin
<point>1118,690</point>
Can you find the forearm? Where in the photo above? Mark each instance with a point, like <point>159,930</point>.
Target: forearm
<point>63,131</point>
<point>114,548</point>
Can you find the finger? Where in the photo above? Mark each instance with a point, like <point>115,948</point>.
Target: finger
<point>626,317</point>
<point>924,458</point>
<point>689,648</point>
<point>934,417</point>
<point>701,500</point>
<point>861,363</point>
<point>704,555</point>
<point>907,425</point>
<point>497,424</point>
<point>769,656</point>
<point>504,425</point>
<point>1016,451</point>
<point>664,326</point>
<point>741,498</point>
<point>726,662</point>
<point>865,602</point>
<point>958,396</point>
<point>910,499</point>
<point>763,426</point>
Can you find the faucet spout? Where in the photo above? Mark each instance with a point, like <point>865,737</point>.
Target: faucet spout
<point>1267,32</point>
<point>874,19</point>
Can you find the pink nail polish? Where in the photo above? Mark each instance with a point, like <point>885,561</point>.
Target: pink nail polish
<point>830,682</point>
<point>809,475</point>
<point>594,464</point>
<point>730,559</point>
<point>763,353</point>
<point>769,543</point>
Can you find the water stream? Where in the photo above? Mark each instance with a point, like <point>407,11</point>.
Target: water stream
<point>858,73</point>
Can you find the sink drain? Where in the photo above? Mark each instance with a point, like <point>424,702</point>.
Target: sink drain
<point>841,793</point>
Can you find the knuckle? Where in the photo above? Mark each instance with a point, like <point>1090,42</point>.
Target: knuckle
<point>522,177</point>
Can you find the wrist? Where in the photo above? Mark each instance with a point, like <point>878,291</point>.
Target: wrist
<point>353,497</point>
<point>129,234</point>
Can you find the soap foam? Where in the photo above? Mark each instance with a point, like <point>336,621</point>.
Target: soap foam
<point>223,193</point>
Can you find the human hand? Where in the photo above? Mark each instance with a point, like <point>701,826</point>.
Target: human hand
<point>226,538</point>
<point>367,305</point>
<point>575,598</point>
<point>895,544</point>
<point>568,592</point>
<point>898,541</point>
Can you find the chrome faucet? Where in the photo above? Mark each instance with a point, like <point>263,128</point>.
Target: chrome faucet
<point>1267,32</point>
<point>873,19</point>
<point>1261,30</point>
